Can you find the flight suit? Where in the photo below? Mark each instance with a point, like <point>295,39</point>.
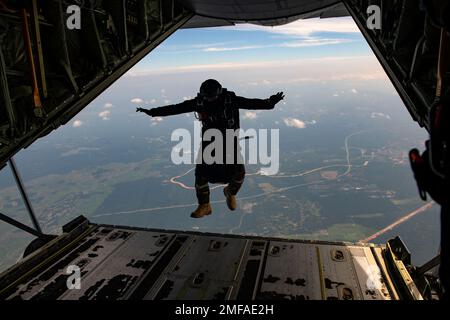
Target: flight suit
<point>221,114</point>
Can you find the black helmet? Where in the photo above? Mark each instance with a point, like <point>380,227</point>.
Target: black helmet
<point>210,88</point>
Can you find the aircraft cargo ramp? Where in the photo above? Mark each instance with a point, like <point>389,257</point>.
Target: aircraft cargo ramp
<point>131,263</point>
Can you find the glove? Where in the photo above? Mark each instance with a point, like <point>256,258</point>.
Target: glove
<point>146,111</point>
<point>274,99</point>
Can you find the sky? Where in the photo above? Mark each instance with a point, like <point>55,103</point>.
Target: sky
<point>247,44</point>
<point>246,56</point>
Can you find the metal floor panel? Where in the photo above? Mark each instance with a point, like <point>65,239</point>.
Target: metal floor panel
<point>339,277</point>
<point>204,270</point>
<point>52,280</point>
<point>123,267</point>
<point>291,272</point>
<point>130,263</point>
<point>370,279</point>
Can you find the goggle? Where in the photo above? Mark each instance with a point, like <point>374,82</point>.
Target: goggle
<point>212,96</point>
<point>209,98</point>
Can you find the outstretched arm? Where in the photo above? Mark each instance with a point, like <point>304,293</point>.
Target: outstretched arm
<point>259,104</point>
<point>170,110</point>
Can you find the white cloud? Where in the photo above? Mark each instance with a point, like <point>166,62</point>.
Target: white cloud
<point>137,100</point>
<point>313,42</point>
<point>77,151</point>
<point>256,83</point>
<point>108,105</point>
<point>250,115</point>
<point>302,30</point>
<point>206,45</point>
<point>372,75</point>
<point>291,64</point>
<point>77,123</point>
<point>293,122</point>
<point>295,80</point>
<point>221,49</point>
<point>305,41</point>
<point>105,114</point>
<point>247,207</point>
<point>305,27</point>
<point>375,115</point>
<point>194,68</point>
<point>156,120</point>
<point>354,91</point>
<point>193,47</point>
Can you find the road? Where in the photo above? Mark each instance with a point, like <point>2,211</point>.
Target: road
<point>399,221</point>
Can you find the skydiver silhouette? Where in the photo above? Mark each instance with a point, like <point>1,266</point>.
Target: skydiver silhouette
<point>217,108</point>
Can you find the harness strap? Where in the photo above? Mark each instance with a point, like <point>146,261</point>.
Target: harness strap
<point>227,111</point>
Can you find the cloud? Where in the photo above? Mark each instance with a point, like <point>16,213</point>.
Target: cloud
<point>375,115</point>
<point>305,27</point>
<point>250,115</point>
<point>77,123</point>
<point>247,207</point>
<point>221,49</point>
<point>372,75</point>
<point>297,43</point>
<point>156,120</point>
<point>357,61</point>
<point>263,82</point>
<point>105,114</point>
<point>313,42</point>
<point>184,48</point>
<point>293,122</point>
<point>354,91</point>
<point>195,68</point>
<point>137,100</point>
<point>77,151</point>
<point>108,105</point>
